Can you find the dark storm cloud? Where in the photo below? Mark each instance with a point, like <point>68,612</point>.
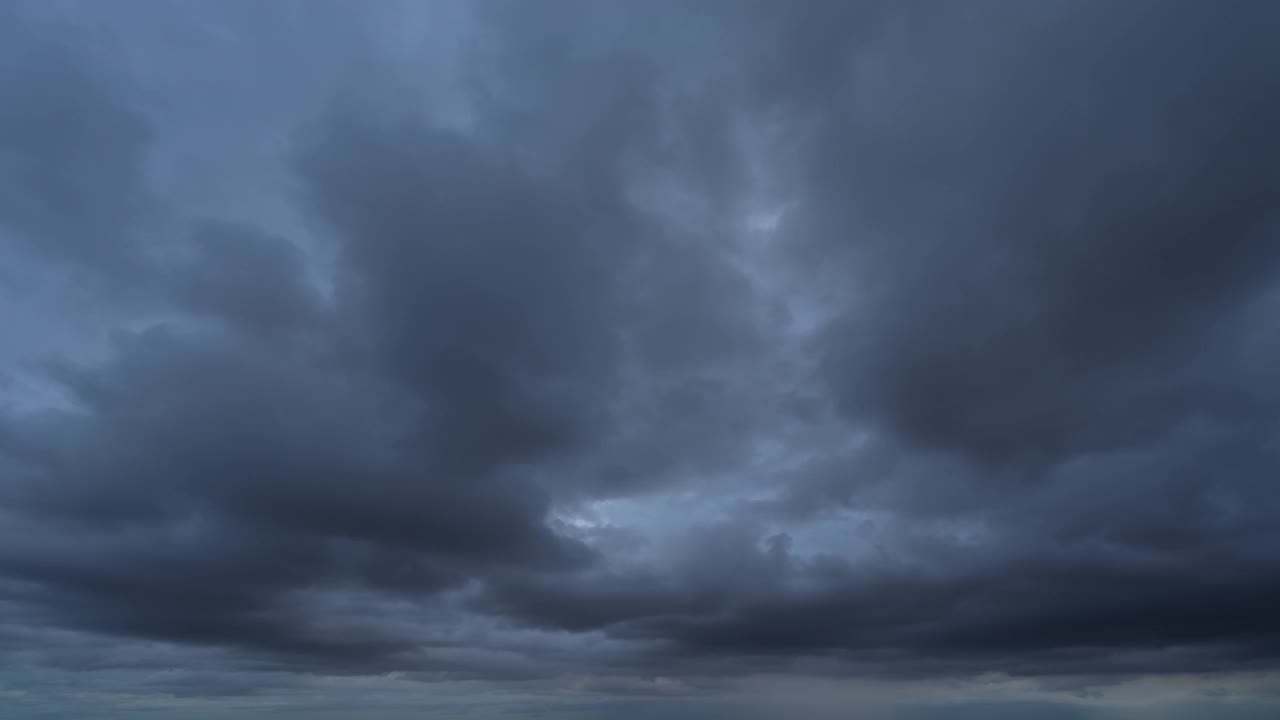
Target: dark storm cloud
<point>502,384</point>
<point>250,464</point>
<point>1047,213</point>
<point>372,436</point>
<point>1054,227</point>
<point>991,606</point>
<point>246,276</point>
<point>469,281</point>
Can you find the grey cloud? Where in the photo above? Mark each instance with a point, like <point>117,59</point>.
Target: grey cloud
<point>247,277</point>
<point>379,438</point>
<point>503,370</point>
<point>73,152</point>
<point>1047,211</point>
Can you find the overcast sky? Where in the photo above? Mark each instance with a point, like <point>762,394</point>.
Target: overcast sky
<point>871,360</point>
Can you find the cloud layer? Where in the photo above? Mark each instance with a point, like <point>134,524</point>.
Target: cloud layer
<point>642,349</point>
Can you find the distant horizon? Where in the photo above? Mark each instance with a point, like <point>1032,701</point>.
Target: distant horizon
<point>632,359</point>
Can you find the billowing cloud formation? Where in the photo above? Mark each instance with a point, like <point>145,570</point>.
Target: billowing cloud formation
<point>640,349</point>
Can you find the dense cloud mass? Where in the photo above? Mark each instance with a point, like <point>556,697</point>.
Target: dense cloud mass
<point>622,349</point>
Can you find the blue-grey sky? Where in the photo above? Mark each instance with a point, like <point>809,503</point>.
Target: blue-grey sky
<point>864,359</point>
